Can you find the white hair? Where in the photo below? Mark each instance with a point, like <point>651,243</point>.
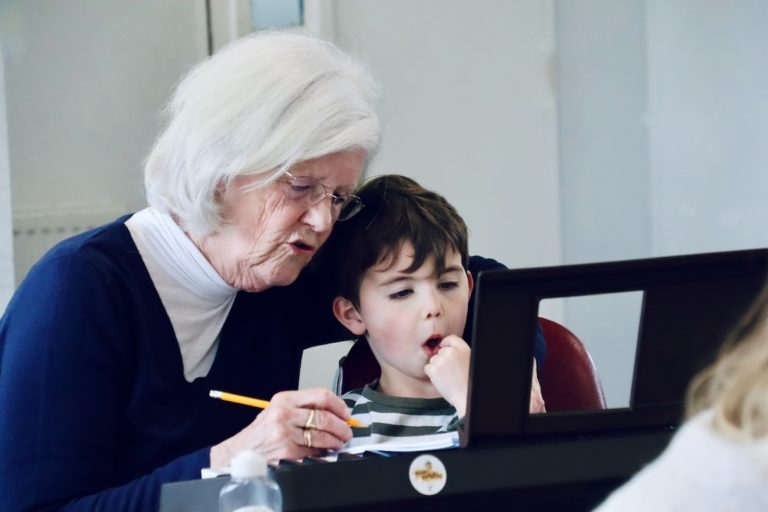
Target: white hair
<point>260,105</point>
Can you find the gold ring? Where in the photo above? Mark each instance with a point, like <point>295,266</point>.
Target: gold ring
<point>310,424</point>
<point>308,438</point>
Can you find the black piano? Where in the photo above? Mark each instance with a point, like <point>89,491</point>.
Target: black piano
<point>513,460</point>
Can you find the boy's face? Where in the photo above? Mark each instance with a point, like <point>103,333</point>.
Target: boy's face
<point>405,315</point>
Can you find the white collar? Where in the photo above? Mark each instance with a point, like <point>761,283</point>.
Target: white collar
<point>178,256</point>
<point>196,298</point>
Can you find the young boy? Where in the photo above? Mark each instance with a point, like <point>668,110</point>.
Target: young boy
<point>403,284</point>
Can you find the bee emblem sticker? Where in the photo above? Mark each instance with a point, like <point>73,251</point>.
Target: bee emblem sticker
<point>427,474</point>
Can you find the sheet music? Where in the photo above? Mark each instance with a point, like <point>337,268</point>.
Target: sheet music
<point>427,443</point>
<point>409,444</point>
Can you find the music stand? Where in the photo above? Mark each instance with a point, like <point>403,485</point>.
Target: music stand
<point>690,303</point>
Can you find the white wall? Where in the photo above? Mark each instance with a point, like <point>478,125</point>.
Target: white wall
<point>85,83</point>
<point>6,227</point>
<point>708,98</point>
<point>469,110</point>
<point>603,143</point>
<point>663,115</point>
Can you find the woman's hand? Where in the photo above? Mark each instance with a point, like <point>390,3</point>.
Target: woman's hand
<point>449,371</point>
<point>293,420</point>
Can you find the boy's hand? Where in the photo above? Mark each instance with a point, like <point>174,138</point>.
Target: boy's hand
<point>449,371</point>
<point>537,401</point>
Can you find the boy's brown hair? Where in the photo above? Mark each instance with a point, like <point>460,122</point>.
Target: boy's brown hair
<point>397,210</point>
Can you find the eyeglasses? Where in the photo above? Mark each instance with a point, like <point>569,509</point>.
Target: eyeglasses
<point>304,188</point>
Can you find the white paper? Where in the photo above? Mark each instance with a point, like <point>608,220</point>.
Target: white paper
<point>431,442</point>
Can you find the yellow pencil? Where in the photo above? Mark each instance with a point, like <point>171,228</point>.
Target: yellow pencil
<point>262,404</point>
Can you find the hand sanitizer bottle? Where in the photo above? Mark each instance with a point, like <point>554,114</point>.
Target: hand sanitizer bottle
<point>251,489</point>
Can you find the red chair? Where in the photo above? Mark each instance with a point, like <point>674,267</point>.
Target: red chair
<point>568,380</point>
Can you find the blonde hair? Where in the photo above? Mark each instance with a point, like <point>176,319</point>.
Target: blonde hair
<point>735,386</point>
<point>258,106</point>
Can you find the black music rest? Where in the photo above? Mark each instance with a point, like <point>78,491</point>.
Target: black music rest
<point>690,303</point>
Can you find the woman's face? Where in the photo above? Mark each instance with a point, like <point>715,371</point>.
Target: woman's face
<point>267,237</point>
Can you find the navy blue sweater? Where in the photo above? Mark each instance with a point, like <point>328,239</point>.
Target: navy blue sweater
<point>95,412</point>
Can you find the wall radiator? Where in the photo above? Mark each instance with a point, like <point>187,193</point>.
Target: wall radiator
<point>36,230</point>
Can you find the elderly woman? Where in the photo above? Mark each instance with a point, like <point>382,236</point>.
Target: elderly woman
<point>112,343</point>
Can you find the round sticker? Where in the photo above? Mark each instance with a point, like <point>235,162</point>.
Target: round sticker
<point>427,474</point>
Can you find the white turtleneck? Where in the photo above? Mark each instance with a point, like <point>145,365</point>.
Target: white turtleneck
<point>195,297</point>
